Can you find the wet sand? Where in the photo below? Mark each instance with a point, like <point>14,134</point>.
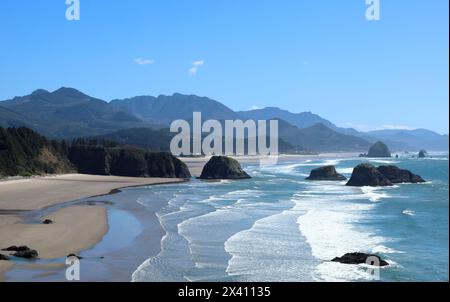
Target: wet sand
<point>78,228</point>
<point>41,192</point>
<point>75,228</point>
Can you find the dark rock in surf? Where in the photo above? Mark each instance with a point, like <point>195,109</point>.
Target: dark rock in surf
<point>360,258</point>
<point>4,258</point>
<point>397,175</point>
<point>326,173</point>
<point>422,154</point>
<point>367,175</point>
<point>223,167</point>
<point>47,221</point>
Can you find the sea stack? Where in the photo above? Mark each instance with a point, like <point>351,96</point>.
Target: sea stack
<point>422,154</point>
<point>222,167</point>
<point>397,175</point>
<point>361,258</point>
<point>326,173</point>
<point>367,175</point>
<point>379,149</point>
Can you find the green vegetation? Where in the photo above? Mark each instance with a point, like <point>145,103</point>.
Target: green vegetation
<point>126,161</point>
<point>24,152</point>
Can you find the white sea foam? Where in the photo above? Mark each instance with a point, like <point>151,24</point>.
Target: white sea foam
<point>374,194</point>
<point>331,231</point>
<point>384,161</point>
<point>345,170</point>
<point>337,272</point>
<point>331,162</point>
<point>409,212</point>
<point>273,246</point>
<point>246,192</point>
<point>329,226</point>
<point>207,233</point>
<point>385,250</point>
<point>332,234</point>
<point>236,231</point>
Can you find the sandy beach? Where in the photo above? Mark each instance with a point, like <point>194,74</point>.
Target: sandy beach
<point>41,192</point>
<point>75,228</point>
<point>80,226</point>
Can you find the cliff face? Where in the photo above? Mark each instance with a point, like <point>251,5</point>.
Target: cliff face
<point>126,161</point>
<point>24,152</point>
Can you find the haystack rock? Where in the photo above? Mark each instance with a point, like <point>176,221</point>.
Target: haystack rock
<point>379,149</point>
<point>422,154</point>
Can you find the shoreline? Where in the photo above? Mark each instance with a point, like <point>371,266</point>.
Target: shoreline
<point>66,192</point>
<point>77,227</point>
<point>42,192</point>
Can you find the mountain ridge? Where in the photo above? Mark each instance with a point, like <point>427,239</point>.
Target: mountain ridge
<point>68,113</point>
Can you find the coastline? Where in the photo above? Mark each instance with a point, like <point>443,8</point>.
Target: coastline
<point>60,197</point>
<point>76,227</point>
<point>42,192</point>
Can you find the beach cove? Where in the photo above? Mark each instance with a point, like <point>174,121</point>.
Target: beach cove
<point>78,225</point>
<point>277,225</point>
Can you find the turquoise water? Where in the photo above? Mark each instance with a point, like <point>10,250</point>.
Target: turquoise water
<point>279,227</point>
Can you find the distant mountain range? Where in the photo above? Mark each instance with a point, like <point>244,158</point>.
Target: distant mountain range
<point>320,138</point>
<point>165,109</point>
<point>301,120</point>
<point>159,140</point>
<point>69,113</point>
<point>65,112</point>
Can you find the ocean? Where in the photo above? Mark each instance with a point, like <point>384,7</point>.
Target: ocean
<point>280,227</point>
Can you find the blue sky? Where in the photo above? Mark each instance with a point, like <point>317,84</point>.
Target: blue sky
<point>302,55</point>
